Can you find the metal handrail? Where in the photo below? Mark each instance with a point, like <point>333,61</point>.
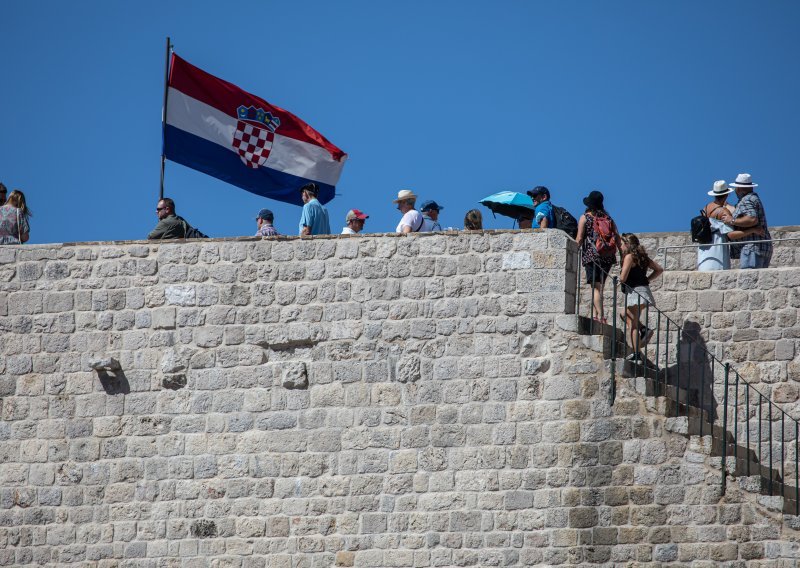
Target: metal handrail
<point>693,343</point>
<point>665,249</point>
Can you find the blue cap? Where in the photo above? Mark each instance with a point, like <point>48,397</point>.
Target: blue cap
<point>428,205</point>
<point>265,214</point>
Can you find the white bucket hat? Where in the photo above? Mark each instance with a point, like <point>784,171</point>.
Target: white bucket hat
<point>405,195</point>
<point>720,189</point>
<point>744,180</point>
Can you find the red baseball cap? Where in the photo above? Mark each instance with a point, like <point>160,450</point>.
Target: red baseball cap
<point>356,214</point>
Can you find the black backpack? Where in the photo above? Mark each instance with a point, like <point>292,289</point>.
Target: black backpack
<point>565,221</point>
<point>190,232</point>
<point>701,229</point>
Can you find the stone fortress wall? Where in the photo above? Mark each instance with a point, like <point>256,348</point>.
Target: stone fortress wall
<point>341,401</point>
<point>747,317</point>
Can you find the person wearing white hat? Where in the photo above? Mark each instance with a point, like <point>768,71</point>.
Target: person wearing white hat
<point>716,255</point>
<point>751,220</point>
<point>412,220</point>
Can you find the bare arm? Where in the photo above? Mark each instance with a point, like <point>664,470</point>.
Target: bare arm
<point>744,222</point>
<point>736,235</point>
<point>544,223</point>
<point>581,230</point>
<point>656,268</point>
<point>305,231</point>
<point>406,229</point>
<point>627,264</point>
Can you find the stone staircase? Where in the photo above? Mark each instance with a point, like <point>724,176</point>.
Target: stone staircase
<point>688,414</point>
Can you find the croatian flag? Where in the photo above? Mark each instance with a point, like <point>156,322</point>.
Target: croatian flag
<point>217,128</point>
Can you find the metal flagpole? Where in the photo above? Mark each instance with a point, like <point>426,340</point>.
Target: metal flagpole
<point>164,117</point>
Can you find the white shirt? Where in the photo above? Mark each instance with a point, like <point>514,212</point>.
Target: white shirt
<point>411,219</point>
<point>348,231</point>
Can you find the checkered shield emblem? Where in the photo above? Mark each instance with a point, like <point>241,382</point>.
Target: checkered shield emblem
<point>253,143</point>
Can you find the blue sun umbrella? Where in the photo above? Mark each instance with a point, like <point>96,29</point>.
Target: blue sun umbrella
<point>510,203</point>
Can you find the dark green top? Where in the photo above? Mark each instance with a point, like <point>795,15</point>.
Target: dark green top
<point>170,227</point>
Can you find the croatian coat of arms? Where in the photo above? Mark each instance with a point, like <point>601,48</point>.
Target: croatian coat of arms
<point>255,133</point>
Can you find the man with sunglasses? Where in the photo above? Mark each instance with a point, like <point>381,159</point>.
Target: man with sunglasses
<point>170,225</point>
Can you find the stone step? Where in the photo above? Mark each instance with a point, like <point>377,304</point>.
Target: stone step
<point>687,411</point>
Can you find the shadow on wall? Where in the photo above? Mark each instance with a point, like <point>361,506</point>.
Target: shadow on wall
<point>694,373</point>
<point>114,383</point>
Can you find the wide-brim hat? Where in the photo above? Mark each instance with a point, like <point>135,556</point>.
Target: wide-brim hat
<point>744,180</point>
<point>594,200</point>
<point>720,188</point>
<point>405,195</point>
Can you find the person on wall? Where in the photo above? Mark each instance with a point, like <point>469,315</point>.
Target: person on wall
<point>598,241</point>
<point>14,215</point>
<point>636,286</point>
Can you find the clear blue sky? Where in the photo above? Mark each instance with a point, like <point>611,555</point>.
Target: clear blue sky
<point>649,102</point>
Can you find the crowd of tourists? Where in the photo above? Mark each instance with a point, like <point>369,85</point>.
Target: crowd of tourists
<point>723,230</point>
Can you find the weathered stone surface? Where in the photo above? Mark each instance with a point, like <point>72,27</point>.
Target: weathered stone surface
<point>295,375</point>
<point>104,364</point>
<point>367,401</point>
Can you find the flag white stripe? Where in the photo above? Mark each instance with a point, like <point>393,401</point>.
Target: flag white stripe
<point>288,155</point>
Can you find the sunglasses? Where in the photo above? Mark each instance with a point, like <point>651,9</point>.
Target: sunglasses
<point>160,208</point>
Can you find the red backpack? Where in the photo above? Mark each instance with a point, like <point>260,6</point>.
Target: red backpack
<point>605,233</point>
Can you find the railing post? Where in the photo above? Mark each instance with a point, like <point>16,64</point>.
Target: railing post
<point>666,360</point>
<point>594,276</point>
<point>702,392</point>
<point>769,417</point>
<point>760,433</point>
<point>747,409</point>
<point>678,379</point>
<point>647,330</point>
<point>725,428</point>
<point>658,348</point>
<point>625,330</point>
<point>736,419</point>
<point>613,391</point>
<point>783,458</point>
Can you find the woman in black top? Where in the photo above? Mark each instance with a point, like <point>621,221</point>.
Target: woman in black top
<point>636,286</point>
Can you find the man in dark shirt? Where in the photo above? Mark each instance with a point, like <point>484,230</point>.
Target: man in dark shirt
<point>170,225</point>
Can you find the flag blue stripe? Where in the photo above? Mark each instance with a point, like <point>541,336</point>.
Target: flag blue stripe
<point>212,159</point>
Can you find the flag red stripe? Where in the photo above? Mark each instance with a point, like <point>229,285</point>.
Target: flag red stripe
<point>227,97</point>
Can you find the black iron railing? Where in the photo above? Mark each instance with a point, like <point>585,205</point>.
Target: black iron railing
<point>713,395</point>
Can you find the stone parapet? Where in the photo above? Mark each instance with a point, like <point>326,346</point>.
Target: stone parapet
<point>786,253</point>
<point>344,401</point>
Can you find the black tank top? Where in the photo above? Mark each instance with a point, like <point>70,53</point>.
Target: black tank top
<point>636,277</point>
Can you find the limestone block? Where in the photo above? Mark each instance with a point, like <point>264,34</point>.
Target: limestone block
<point>103,364</point>
<point>785,393</point>
<point>163,318</point>
<point>294,375</point>
<point>408,369</point>
<point>181,295</point>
